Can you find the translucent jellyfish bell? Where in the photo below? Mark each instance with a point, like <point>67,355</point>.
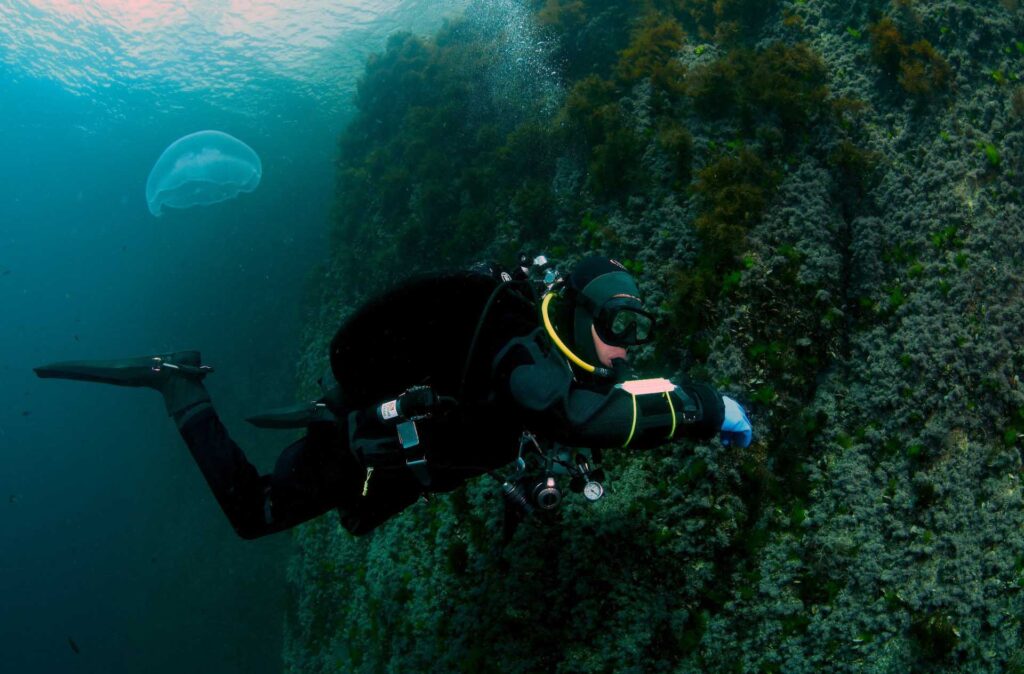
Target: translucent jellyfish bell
<point>202,168</point>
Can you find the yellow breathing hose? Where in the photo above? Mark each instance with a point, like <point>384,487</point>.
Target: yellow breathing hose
<point>557,340</point>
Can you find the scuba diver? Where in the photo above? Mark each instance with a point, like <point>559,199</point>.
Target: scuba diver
<point>440,380</point>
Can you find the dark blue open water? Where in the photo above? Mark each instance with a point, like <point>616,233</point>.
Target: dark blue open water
<point>108,534</point>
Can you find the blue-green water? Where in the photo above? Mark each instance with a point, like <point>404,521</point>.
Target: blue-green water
<point>108,535</point>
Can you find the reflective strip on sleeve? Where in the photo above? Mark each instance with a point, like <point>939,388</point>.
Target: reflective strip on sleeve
<point>668,397</point>
<point>632,430</point>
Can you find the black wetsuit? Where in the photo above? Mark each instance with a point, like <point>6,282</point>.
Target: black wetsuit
<point>423,333</point>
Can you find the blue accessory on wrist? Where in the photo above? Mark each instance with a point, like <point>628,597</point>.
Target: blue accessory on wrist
<point>736,429</point>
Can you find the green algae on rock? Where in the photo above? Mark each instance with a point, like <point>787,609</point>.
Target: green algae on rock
<point>821,250</point>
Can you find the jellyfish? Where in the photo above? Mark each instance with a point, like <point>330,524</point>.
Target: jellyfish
<point>202,168</point>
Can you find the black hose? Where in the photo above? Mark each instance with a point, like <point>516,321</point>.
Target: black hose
<point>479,328</point>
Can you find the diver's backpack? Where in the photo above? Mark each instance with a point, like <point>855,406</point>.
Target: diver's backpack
<point>428,330</point>
<point>421,332</point>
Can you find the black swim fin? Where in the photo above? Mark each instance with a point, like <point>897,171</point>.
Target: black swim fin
<point>150,371</point>
<point>298,415</point>
<point>178,376</point>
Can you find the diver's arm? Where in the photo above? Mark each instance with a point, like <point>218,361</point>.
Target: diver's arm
<point>637,419</point>
<point>542,386</point>
<point>619,418</point>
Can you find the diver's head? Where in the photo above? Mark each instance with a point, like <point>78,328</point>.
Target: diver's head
<point>607,316</point>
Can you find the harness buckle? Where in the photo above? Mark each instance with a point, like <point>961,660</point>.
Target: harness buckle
<point>416,461</point>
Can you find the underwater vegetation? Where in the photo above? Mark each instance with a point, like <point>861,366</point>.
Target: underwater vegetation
<point>200,169</point>
<point>918,66</point>
<point>726,20</point>
<point>435,160</point>
<point>823,201</point>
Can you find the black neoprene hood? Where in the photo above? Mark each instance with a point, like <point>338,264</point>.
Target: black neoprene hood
<point>594,281</point>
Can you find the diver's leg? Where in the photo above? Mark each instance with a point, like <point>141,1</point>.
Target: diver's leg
<point>312,476</point>
<point>387,493</point>
<point>238,487</point>
<point>235,483</point>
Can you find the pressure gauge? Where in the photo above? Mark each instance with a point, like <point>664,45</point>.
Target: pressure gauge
<point>547,494</point>
<point>593,491</point>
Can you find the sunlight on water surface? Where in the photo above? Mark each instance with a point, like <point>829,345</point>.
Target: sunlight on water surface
<point>226,50</point>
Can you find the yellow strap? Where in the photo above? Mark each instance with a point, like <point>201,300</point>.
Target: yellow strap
<point>668,397</point>
<point>366,485</point>
<point>633,429</point>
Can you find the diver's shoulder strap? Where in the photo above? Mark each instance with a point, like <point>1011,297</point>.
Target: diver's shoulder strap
<point>535,375</point>
<point>530,348</point>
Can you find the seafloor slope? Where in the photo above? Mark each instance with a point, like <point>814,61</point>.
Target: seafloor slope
<point>824,200</point>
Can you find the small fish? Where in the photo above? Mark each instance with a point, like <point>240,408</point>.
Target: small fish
<point>13,498</point>
<point>74,646</point>
<point>25,413</point>
<point>76,337</point>
<point>5,272</point>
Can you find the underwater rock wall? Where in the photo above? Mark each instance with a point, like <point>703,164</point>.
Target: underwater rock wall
<point>823,199</point>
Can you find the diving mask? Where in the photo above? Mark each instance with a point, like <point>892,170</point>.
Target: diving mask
<point>621,322</point>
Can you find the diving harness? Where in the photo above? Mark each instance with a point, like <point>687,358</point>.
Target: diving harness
<point>533,484</point>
